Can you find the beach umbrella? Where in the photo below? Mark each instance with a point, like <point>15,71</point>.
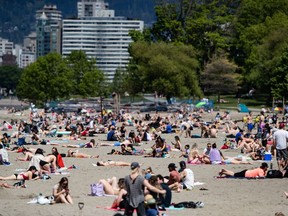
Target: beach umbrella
<point>201,103</point>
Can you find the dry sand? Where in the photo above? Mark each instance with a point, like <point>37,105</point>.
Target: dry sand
<point>223,197</point>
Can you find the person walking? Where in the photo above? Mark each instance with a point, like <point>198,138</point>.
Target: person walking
<point>134,184</point>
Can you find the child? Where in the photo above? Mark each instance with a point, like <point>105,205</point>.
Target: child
<point>186,151</point>
<point>151,208</point>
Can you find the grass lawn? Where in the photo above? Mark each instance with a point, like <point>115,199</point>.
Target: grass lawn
<point>230,101</point>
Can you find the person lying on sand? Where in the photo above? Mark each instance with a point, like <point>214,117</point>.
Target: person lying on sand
<point>77,154</point>
<point>28,175</point>
<point>111,186</point>
<point>20,184</point>
<point>112,163</point>
<point>255,173</point>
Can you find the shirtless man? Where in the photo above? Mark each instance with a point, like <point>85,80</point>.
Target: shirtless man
<point>213,132</point>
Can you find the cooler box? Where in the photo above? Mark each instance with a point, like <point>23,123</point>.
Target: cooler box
<point>267,156</point>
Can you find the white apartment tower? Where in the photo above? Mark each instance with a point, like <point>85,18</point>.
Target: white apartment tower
<point>100,35</point>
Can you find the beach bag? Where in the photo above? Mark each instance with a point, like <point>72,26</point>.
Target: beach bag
<point>190,204</point>
<point>97,189</point>
<point>274,174</point>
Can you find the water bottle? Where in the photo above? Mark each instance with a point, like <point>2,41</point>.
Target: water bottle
<point>271,166</point>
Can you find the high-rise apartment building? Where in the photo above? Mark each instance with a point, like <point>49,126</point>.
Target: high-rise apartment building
<point>48,30</point>
<point>5,47</point>
<point>100,34</point>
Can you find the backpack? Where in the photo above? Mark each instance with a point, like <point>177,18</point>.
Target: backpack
<point>274,174</point>
<point>97,189</point>
<point>190,204</point>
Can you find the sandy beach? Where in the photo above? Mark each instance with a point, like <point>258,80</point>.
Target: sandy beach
<point>224,196</point>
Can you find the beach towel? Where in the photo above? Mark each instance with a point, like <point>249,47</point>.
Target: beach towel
<point>232,177</point>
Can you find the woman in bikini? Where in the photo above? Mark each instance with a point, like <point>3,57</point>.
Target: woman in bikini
<point>28,175</point>
<point>80,155</point>
<point>48,164</point>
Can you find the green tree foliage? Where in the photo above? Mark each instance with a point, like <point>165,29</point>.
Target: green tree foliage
<point>279,79</point>
<point>9,76</point>
<point>267,51</point>
<point>86,78</point>
<point>219,77</point>
<point>205,24</point>
<point>118,84</point>
<point>249,25</point>
<point>166,68</point>
<point>46,79</point>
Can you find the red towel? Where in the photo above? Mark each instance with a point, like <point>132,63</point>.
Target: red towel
<point>60,161</point>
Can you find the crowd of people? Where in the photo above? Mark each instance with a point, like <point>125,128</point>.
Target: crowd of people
<point>252,137</point>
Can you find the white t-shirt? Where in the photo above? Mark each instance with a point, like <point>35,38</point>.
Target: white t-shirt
<point>188,181</point>
<point>4,155</point>
<point>281,137</point>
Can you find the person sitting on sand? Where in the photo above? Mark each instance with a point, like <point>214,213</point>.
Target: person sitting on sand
<point>195,158</point>
<point>112,163</point>
<point>185,152</point>
<point>120,202</point>
<point>187,176</point>
<point>28,175</point>
<point>61,192</point>
<point>213,131</point>
<point>215,155</point>
<point>77,154</point>
<point>177,145</point>
<point>174,177</point>
<point>255,173</point>
<point>59,159</point>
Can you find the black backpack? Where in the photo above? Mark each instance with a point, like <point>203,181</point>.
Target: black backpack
<point>185,205</point>
<point>274,174</point>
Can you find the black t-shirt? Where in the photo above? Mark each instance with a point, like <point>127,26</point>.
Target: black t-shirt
<point>166,200</point>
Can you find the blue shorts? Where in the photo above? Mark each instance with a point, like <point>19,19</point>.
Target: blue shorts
<point>227,161</point>
<point>117,144</point>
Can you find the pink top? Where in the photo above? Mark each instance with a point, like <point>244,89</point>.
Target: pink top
<point>258,172</point>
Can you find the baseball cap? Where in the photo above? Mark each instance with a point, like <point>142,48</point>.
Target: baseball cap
<point>134,165</point>
<point>172,165</point>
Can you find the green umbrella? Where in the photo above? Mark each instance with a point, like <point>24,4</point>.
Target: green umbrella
<point>201,103</point>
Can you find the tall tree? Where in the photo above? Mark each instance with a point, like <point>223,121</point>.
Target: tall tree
<point>9,76</point>
<point>166,68</point>
<point>219,77</point>
<point>46,79</point>
<point>86,77</point>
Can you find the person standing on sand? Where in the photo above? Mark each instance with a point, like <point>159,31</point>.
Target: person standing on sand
<point>135,191</point>
<point>280,138</point>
